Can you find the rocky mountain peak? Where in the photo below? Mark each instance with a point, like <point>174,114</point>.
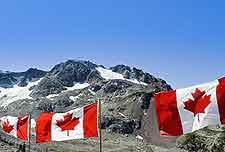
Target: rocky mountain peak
<point>31,74</point>
<point>140,75</point>
<point>8,79</point>
<point>72,64</point>
<point>72,71</point>
<point>34,73</point>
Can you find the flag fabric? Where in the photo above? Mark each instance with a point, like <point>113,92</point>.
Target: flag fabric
<point>15,126</point>
<point>75,124</point>
<point>186,110</point>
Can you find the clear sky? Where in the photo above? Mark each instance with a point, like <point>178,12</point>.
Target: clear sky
<point>180,41</point>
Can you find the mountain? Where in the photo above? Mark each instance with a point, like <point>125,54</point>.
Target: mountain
<point>125,93</point>
<point>9,79</point>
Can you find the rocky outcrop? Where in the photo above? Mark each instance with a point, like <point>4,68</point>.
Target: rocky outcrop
<point>116,86</point>
<point>134,73</point>
<point>8,79</point>
<point>209,139</point>
<point>72,71</point>
<point>48,85</point>
<point>94,77</point>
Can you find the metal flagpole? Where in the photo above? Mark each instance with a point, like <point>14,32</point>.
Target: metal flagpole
<point>29,132</point>
<point>99,126</point>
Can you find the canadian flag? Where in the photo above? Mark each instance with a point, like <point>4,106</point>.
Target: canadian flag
<point>186,110</point>
<point>74,124</point>
<point>15,126</point>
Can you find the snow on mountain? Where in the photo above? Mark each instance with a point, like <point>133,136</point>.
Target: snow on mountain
<point>1,71</point>
<point>9,95</point>
<point>110,75</point>
<point>51,96</point>
<point>74,98</point>
<point>136,81</point>
<point>78,86</point>
<point>92,92</point>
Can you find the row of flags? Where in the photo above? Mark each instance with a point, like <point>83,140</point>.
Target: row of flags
<point>75,124</point>
<point>178,112</point>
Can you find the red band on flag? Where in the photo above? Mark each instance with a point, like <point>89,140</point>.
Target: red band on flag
<point>43,127</point>
<point>22,128</point>
<point>91,121</point>
<point>220,94</point>
<point>167,113</point>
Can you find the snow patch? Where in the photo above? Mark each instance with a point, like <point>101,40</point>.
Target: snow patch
<point>136,81</point>
<point>9,95</point>
<point>74,98</point>
<point>139,137</point>
<point>52,96</point>
<point>78,86</point>
<point>92,92</point>
<point>122,115</point>
<point>110,75</point>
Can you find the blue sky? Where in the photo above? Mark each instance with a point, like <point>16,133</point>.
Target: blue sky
<point>180,41</point>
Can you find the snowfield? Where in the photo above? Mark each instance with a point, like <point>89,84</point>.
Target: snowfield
<point>77,86</point>
<point>51,96</point>
<point>9,95</point>
<point>110,75</point>
<point>74,98</point>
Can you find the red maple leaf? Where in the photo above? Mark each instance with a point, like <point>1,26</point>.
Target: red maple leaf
<point>199,103</point>
<point>68,123</point>
<point>6,127</point>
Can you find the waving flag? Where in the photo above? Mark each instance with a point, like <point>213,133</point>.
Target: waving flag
<point>186,110</point>
<point>74,124</point>
<point>15,126</point>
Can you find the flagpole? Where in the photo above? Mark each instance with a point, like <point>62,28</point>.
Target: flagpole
<point>29,132</point>
<point>99,126</point>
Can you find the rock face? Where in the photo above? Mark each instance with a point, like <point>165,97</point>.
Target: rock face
<point>48,85</point>
<point>209,139</point>
<point>8,79</point>
<point>72,71</point>
<point>134,73</point>
<point>66,75</point>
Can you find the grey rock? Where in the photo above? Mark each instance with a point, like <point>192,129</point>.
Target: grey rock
<point>62,103</point>
<point>72,71</point>
<point>95,87</point>
<point>8,79</point>
<point>134,73</point>
<point>23,82</point>
<point>44,105</point>
<point>115,85</point>
<point>94,77</point>
<point>48,85</point>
